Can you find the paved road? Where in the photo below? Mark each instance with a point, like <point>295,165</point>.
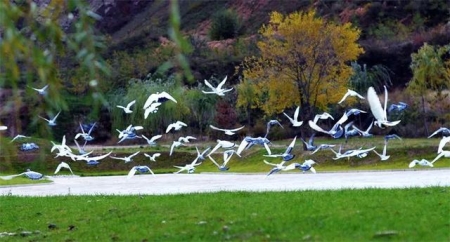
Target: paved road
<point>213,182</point>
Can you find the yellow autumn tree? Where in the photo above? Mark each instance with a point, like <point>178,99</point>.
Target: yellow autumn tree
<point>304,60</point>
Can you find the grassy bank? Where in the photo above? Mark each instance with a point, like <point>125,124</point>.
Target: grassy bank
<point>416,214</point>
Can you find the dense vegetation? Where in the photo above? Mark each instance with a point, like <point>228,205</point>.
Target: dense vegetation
<point>143,57</point>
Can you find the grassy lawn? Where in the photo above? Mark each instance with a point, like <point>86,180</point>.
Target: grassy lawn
<point>415,214</point>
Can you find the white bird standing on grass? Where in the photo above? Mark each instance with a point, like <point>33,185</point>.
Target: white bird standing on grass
<point>127,108</point>
<point>294,120</point>
<point>352,94</point>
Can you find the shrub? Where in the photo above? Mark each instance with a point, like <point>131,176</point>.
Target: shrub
<point>225,25</point>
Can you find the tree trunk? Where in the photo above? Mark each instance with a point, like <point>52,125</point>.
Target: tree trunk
<point>424,115</point>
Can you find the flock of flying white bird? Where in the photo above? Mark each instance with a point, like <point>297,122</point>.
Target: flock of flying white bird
<point>379,112</point>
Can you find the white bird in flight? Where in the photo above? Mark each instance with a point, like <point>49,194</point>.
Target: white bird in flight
<point>383,155</point>
<point>153,157</point>
<point>51,122</point>
<point>142,169</point>
<point>190,168</point>
<point>352,94</point>
<point>158,98</point>
<point>324,115</point>
<point>222,144</point>
<point>127,108</point>
<point>443,130</point>
<point>126,158</point>
<point>175,144</point>
<point>19,136</point>
<point>41,91</point>
<point>3,127</point>
<point>176,126</point>
<point>217,90</point>
<point>152,141</point>
<point>153,108</point>
<point>63,165</point>
<point>29,173</point>
<point>227,131</point>
<point>379,112</point>
<point>186,139</point>
<point>294,120</point>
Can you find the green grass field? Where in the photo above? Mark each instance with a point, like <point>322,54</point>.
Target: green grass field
<point>402,153</point>
<point>415,214</point>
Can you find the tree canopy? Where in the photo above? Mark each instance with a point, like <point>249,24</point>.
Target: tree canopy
<point>304,60</point>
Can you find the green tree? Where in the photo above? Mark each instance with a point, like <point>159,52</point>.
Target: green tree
<point>431,74</point>
<point>376,76</point>
<point>225,25</point>
<point>303,61</point>
<point>39,45</point>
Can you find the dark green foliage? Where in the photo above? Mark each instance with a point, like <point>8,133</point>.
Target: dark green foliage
<point>225,25</point>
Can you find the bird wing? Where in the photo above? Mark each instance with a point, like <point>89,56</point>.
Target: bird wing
<point>155,137</point>
<point>152,98</point>
<point>435,132</point>
<point>133,155</point>
<point>316,127</point>
<point>131,104</point>
<point>181,123</point>
<point>267,148</point>
<point>169,128</point>
<point>167,96</point>
<point>214,127</point>
<point>131,172</point>
<point>222,83</point>
<point>312,170</point>
<point>171,148</point>
<point>92,128</point>
<point>122,107</point>
<point>209,85</point>
<point>290,119</point>
<point>237,129</point>
<point>437,157</point>
<point>268,163</point>
<point>215,148</point>
<point>412,163</point>
<point>242,146</point>
<point>344,97</point>
<point>44,118</point>
<point>296,113</point>
<point>442,143</point>
<point>375,105</point>
<point>58,168</point>
<point>156,155</point>
<point>214,161</point>
<point>385,102</point>
<point>54,118</point>
<point>11,176</point>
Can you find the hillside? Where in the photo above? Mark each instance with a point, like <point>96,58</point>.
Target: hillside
<point>391,30</point>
